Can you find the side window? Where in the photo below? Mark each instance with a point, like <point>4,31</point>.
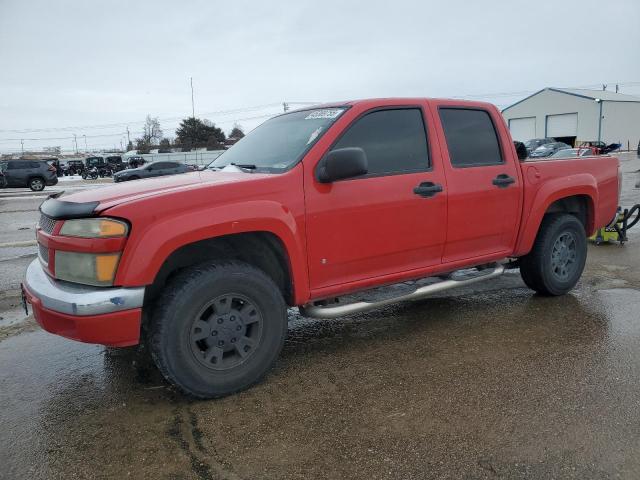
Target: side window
<point>471,137</point>
<point>13,166</point>
<point>34,164</point>
<point>394,141</point>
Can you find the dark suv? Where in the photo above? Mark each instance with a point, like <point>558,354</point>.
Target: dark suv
<point>28,173</point>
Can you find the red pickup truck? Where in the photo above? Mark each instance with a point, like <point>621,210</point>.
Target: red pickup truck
<point>312,206</point>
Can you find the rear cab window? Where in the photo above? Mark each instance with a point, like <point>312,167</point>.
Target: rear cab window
<point>394,140</point>
<point>471,137</point>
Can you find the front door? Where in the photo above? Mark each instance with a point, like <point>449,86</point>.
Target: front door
<point>388,221</point>
<point>17,173</point>
<point>484,190</point>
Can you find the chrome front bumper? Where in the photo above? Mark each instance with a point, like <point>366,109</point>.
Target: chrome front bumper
<point>80,300</point>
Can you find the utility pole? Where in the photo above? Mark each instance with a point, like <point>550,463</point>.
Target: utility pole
<point>617,87</point>
<point>285,106</point>
<point>22,146</point>
<point>599,102</point>
<point>86,149</point>
<point>128,137</point>
<point>193,108</point>
<point>604,87</point>
<point>75,140</point>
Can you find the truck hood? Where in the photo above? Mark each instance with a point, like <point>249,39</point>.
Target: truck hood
<point>117,194</point>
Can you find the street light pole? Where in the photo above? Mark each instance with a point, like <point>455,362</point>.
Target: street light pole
<point>193,108</point>
<point>86,149</point>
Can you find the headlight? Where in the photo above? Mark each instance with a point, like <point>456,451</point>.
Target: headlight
<point>94,228</point>
<point>87,268</point>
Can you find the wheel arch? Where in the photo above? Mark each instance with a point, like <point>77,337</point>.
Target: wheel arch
<point>261,249</point>
<point>33,176</point>
<point>580,200</point>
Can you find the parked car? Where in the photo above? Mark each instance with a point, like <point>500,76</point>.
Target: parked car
<point>310,207</point>
<point>115,162</point>
<point>103,167</point>
<point>574,152</point>
<point>73,167</point>
<point>537,142</point>
<point>548,149</point>
<point>136,161</point>
<point>94,161</point>
<point>29,173</point>
<point>601,148</point>
<point>3,180</point>
<point>155,169</point>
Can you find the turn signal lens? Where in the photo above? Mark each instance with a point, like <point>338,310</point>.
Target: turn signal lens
<point>94,228</point>
<point>106,267</point>
<point>86,268</point>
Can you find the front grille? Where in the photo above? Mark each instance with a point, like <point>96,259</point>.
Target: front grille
<point>47,224</point>
<point>43,252</point>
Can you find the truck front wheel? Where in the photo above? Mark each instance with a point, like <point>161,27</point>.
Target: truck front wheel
<point>218,329</point>
<point>556,261</point>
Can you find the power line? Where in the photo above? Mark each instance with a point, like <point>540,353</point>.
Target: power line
<point>124,124</point>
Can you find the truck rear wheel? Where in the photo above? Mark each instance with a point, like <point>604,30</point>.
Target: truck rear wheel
<point>556,261</point>
<point>218,329</point>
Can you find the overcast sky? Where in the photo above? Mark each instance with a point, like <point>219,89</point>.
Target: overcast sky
<point>87,64</point>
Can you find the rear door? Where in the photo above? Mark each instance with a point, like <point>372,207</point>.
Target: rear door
<point>484,187</point>
<point>156,169</point>
<point>172,168</point>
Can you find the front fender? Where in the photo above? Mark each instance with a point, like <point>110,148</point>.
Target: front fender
<point>151,244</point>
<point>551,191</point>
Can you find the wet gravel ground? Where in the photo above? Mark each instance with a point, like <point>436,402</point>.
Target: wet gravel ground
<point>486,382</point>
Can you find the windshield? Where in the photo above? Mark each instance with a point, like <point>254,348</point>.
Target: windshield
<point>533,143</point>
<point>566,152</point>
<point>95,160</point>
<point>278,144</point>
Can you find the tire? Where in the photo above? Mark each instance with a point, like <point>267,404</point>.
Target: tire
<point>36,184</point>
<point>217,329</point>
<point>557,259</point>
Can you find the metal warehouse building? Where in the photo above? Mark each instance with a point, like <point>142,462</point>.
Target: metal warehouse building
<point>574,115</point>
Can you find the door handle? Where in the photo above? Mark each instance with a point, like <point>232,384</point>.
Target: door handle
<point>503,180</point>
<point>427,189</point>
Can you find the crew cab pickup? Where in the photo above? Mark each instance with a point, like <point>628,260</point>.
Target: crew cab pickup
<point>310,208</point>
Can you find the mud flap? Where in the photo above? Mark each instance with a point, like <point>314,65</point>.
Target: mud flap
<point>25,303</point>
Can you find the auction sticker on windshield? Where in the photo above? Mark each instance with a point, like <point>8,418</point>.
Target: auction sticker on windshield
<point>324,113</point>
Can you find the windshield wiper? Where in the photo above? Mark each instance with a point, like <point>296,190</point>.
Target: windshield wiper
<point>246,166</point>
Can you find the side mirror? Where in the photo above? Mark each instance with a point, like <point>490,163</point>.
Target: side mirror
<point>342,163</point>
<point>521,150</point>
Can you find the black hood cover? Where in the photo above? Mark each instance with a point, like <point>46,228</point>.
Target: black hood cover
<point>61,210</point>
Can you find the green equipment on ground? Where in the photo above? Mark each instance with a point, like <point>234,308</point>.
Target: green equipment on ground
<point>616,231</point>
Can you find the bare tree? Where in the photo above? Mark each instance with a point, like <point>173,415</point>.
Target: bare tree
<point>152,131</point>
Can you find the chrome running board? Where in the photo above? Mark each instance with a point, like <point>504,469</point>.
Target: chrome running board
<point>319,311</point>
